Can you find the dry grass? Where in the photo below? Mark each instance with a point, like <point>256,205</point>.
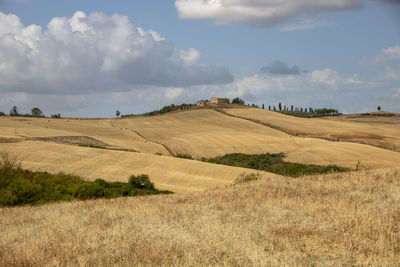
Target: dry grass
<point>345,219</point>
<point>377,131</point>
<point>207,133</point>
<point>168,173</point>
<point>199,133</point>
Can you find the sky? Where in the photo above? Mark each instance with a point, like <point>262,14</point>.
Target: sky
<point>91,58</point>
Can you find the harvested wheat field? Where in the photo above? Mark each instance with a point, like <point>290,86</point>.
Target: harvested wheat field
<point>338,219</point>
<point>208,133</point>
<point>347,219</point>
<point>380,131</point>
<point>170,173</point>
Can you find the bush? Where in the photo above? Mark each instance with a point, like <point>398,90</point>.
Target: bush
<point>273,163</point>
<point>184,156</point>
<point>9,161</point>
<point>21,187</point>
<point>141,182</point>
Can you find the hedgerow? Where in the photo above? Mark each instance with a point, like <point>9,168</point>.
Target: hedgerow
<point>272,163</point>
<point>22,187</point>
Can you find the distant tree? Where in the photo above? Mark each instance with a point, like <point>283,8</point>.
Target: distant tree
<point>301,109</point>
<point>274,108</point>
<point>57,115</point>
<point>305,110</point>
<point>280,106</point>
<point>263,107</point>
<point>14,111</point>
<point>117,113</point>
<point>2,113</point>
<point>379,108</point>
<point>36,112</point>
<point>269,107</point>
<point>291,108</point>
<point>238,101</point>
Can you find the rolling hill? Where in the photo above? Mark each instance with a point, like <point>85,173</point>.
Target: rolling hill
<point>115,148</point>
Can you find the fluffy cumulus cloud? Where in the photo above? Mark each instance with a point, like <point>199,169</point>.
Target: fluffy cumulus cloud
<point>326,81</point>
<point>323,87</point>
<point>95,53</point>
<point>263,13</point>
<point>279,67</point>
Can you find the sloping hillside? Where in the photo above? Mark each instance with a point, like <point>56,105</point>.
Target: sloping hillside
<point>175,174</point>
<point>130,144</point>
<point>378,131</point>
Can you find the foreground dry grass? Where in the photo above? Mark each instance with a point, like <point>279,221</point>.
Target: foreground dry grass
<point>332,220</point>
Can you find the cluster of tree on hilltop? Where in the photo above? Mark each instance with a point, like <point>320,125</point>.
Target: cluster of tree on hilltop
<point>163,110</point>
<point>35,112</point>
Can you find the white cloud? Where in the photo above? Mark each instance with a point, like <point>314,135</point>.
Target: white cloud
<point>386,55</point>
<point>262,13</point>
<point>94,53</point>
<point>173,93</point>
<point>305,23</point>
<point>191,56</point>
<point>318,83</point>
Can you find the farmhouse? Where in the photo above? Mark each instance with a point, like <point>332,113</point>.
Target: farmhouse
<point>218,100</point>
<point>202,103</point>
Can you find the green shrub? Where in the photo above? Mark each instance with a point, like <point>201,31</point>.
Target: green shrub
<point>273,163</point>
<point>21,187</point>
<point>141,182</point>
<point>184,156</point>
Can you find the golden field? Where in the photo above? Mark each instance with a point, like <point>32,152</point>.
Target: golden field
<point>343,219</point>
<point>346,219</point>
<point>374,129</point>
<point>146,144</point>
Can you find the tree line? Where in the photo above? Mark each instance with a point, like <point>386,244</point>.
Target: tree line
<point>35,112</point>
<point>292,108</point>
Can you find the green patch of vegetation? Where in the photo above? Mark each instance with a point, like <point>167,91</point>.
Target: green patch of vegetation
<point>22,187</point>
<point>184,156</point>
<point>163,110</point>
<point>273,163</point>
<point>303,114</point>
<point>379,114</point>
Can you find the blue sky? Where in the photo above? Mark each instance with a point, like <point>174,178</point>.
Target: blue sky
<point>347,53</point>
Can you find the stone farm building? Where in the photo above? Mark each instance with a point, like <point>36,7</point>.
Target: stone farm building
<point>202,103</point>
<point>217,100</point>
